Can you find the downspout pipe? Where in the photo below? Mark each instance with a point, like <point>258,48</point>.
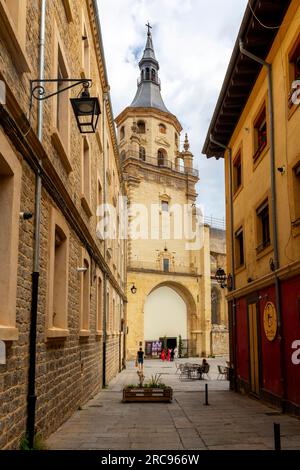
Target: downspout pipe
<point>273,206</point>
<point>31,397</point>
<point>233,384</point>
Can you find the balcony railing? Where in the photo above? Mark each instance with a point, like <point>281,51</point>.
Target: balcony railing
<point>158,266</point>
<point>159,161</point>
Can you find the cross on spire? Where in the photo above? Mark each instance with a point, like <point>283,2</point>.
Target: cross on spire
<point>149,28</point>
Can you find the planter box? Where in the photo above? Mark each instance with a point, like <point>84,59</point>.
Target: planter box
<point>147,395</point>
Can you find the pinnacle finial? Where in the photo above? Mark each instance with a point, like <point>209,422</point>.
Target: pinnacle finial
<point>186,144</point>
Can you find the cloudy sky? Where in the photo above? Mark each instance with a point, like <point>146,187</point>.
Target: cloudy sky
<point>193,41</point>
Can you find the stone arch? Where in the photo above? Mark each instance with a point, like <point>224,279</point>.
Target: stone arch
<point>186,296</point>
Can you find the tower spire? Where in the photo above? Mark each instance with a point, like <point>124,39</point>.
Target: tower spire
<point>149,54</point>
<point>148,92</point>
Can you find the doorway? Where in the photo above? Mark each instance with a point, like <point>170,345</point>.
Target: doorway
<point>253,348</point>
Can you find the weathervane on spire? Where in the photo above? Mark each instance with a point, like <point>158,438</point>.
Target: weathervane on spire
<point>149,28</point>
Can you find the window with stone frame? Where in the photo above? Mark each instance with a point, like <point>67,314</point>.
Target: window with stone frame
<point>60,280</point>
<point>99,304</point>
<point>296,191</point>
<point>260,133</point>
<point>294,71</point>
<point>142,153</point>
<point>86,176</point>
<point>10,195</point>
<point>141,127</point>
<point>62,100</point>
<point>237,172</point>
<point>263,226</point>
<point>161,157</point>
<point>13,15</point>
<point>85,295</point>
<point>61,105</point>
<point>85,51</point>
<point>122,133</point>
<point>162,128</point>
<point>166,265</point>
<point>165,206</point>
<point>239,248</point>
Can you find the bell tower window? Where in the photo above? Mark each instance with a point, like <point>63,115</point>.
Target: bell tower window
<point>142,154</point>
<point>141,127</point>
<point>162,129</point>
<point>153,76</point>
<point>147,73</point>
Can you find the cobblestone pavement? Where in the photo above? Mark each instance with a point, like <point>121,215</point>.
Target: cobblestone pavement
<point>231,421</point>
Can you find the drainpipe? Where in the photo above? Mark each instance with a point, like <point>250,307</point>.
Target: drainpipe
<point>232,256</point>
<point>105,306</point>
<point>31,397</point>
<point>274,207</point>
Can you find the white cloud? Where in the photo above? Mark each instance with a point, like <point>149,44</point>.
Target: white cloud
<point>193,41</point>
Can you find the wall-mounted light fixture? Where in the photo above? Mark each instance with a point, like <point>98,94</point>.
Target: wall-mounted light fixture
<point>82,270</point>
<point>86,108</point>
<point>26,215</point>
<point>222,279</point>
<point>133,289</point>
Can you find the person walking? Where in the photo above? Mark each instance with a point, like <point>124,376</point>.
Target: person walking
<point>140,359</point>
<point>163,355</point>
<point>172,355</point>
<point>176,353</point>
<point>169,354</point>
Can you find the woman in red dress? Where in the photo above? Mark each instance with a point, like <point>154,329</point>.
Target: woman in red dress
<point>163,355</point>
<point>169,354</point>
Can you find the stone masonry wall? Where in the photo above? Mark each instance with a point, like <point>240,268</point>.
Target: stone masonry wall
<point>69,370</point>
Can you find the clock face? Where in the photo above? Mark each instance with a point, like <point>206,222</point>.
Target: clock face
<point>270,321</point>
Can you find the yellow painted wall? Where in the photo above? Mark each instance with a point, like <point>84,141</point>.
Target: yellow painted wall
<point>256,176</point>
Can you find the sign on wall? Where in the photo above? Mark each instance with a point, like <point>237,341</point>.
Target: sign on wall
<point>270,321</point>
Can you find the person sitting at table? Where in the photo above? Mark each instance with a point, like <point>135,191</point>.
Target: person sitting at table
<point>204,368</point>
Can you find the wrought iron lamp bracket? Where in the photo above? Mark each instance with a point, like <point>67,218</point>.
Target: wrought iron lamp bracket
<point>38,91</point>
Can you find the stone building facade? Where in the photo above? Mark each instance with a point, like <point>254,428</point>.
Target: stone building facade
<point>79,276</point>
<point>219,317</point>
<point>164,268</point>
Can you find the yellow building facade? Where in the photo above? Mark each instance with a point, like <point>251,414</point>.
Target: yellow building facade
<point>162,254</point>
<point>260,134</point>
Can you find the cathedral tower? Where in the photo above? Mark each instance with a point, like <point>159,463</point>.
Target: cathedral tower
<point>168,277</point>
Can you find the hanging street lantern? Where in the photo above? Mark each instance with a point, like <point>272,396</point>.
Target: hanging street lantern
<point>221,277</point>
<point>87,111</point>
<point>86,108</point>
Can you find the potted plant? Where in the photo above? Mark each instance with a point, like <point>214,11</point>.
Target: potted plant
<point>153,391</point>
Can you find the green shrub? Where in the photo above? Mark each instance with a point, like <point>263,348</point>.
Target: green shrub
<point>38,443</point>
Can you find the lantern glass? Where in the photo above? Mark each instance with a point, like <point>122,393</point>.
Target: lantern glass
<point>221,276</point>
<point>86,111</point>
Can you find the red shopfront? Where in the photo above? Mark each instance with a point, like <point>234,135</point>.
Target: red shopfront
<point>265,364</point>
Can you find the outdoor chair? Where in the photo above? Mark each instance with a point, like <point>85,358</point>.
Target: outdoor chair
<point>222,370</point>
<point>177,365</point>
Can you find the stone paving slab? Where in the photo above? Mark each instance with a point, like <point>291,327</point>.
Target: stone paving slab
<point>231,421</point>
